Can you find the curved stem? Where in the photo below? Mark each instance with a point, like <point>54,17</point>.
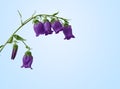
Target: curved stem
<point>52,16</point>
<point>25,22</point>
<point>26,45</point>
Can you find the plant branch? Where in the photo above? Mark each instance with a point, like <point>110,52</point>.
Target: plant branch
<point>25,22</point>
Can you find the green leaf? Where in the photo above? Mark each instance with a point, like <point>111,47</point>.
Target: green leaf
<point>52,20</point>
<point>1,46</point>
<point>10,40</point>
<point>19,14</point>
<point>17,37</point>
<point>55,13</point>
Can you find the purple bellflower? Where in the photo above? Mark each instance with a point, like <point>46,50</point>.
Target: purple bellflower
<point>67,30</point>
<point>47,27</point>
<point>57,26</point>
<point>27,60</point>
<point>38,28</point>
<point>14,51</point>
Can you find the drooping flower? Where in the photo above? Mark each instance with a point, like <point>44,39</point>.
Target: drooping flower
<point>39,28</point>
<point>47,27</point>
<point>67,30</point>
<point>14,51</point>
<point>57,26</point>
<point>27,60</point>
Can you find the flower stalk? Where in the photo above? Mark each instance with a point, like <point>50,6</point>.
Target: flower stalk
<point>28,20</point>
<point>44,24</point>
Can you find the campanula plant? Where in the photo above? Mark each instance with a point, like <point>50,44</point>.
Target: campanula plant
<point>43,24</point>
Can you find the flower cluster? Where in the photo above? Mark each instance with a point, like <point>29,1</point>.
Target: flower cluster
<point>44,24</point>
<point>47,27</point>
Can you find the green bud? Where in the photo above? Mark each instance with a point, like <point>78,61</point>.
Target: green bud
<point>66,23</point>
<point>28,53</point>
<point>14,51</point>
<point>15,46</point>
<point>35,21</point>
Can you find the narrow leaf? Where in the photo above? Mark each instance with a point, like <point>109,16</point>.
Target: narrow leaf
<point>1,46</point>
<point>17,37</point>
<point>55,13</point>
<point>10,40</point>
<point>19,14</point>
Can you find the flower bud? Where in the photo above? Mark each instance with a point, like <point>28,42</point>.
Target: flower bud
<point>38,28</point>
<point>57,26</point>
<point>14,51</point>
<point>47,27</point>
<point>27,60</point>
<point>67,30</point>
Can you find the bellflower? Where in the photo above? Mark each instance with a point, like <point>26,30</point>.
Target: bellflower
<point>27,60</point>
<point>38,28</point>
<point>57,26</point>
<point>14,51</point>
<point>47,27</point>
<point>67,30</point>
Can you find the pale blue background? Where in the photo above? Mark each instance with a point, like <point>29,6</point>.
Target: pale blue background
<point>90,61</point>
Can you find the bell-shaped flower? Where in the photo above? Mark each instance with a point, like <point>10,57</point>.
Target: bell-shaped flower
<point>38,28</point>
<point>27,60</point>
<point>47,27</point>
<point>57,26</point>
<point>14,51</point>
<point>67,30</point>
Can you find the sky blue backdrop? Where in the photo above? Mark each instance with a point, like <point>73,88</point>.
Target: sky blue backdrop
<point>90,61</point>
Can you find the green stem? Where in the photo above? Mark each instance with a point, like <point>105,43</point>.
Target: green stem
<point>53,16</point>
<point>25,22</point>
<point>26,45</point>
